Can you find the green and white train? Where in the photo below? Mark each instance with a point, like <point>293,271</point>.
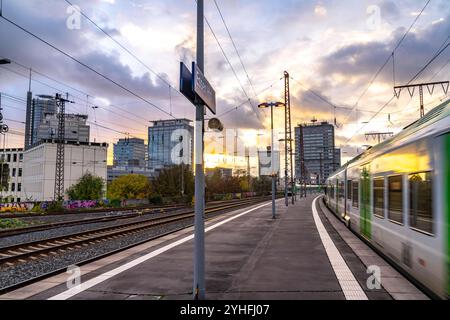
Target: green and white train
<point>396,196</point>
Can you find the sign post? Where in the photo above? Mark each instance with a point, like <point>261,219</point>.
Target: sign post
<point>196,88</point>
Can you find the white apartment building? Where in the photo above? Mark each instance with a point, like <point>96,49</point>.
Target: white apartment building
<point>14,192</point>
<point>79,158</point>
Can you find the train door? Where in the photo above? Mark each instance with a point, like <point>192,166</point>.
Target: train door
<point>365,214</point>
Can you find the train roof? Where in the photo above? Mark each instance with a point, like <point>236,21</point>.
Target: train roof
<point>438,113</point>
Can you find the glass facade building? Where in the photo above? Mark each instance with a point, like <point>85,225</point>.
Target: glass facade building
<point>320,156</point>
<point>170,142</point>
<point>130,152</point>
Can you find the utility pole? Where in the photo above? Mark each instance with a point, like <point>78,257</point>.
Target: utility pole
<point>430,86</point>
<point>288,167</point>
<point>199,254</point>
<point>59,167</point>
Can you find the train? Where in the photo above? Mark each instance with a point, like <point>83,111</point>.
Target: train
<point>395,196</point>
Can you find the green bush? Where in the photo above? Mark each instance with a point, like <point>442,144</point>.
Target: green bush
<point>56,206</point>
<point>11,223</point>
<point>116,203</point>
<point>156,199</point>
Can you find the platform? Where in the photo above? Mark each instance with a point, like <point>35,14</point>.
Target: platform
<point>305,253</point>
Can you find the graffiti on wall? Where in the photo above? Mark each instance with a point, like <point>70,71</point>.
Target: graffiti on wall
<point>84,204</point>
<point>16,207</point>
<point>42,206</point>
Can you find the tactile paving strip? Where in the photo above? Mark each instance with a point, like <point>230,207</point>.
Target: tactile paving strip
<point>350,286</point>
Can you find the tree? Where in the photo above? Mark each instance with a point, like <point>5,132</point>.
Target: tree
<point>88,187</point>
<point>168,183</point>
<point>132,186</point>
<point>262,185</point>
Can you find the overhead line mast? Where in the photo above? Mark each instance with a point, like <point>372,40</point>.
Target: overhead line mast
<point>59,168</point>
<point>288,173</point>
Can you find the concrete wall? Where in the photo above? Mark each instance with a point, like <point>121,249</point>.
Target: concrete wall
<point>40,162</point>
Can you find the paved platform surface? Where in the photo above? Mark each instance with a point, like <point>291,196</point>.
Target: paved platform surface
<point>248,256</point>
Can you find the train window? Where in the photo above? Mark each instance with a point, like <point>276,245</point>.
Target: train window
<point>395,199</point>
<point>378,197</point>
<point>349,189</point>
<point>341,190</point>
<point>337,190</point>
<point>355,194</point>
<point>420,201</point>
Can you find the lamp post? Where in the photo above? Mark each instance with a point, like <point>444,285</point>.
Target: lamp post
<point>272,154</point>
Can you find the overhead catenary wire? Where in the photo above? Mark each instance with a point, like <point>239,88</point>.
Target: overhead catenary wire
<point>154,72</point>
<point>85,65</point>
<point>118,43</point>
<point>436,55</point>
<point>442,49</point>
<point>387,60</point>
<point>58,90</point>
<point>235,48</point>
<point>89,122</point>
<point>246,101</point>
<point>231,67</point>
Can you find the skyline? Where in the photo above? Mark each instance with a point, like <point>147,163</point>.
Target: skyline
<point>324,46</point>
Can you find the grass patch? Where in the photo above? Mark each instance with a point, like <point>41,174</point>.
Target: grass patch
<point>12,223</point>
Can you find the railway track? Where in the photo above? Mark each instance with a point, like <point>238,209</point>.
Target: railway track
<point>24,252</point>
<point>19,215</point>
<point>127,214</point>
<point>74,222</point>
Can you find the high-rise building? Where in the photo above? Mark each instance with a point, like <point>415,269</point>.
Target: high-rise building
<point>170,142</point>
<point>76,129</point>
<point>36,111</point>
<point>130,152</point>
<point>318,154</point>
<point>42,122</point>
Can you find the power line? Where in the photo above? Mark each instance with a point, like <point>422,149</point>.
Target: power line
<point>90,122</point>
<point>85,65</point>
<point>442,68</point>
<point>246,101</point>
<point>319,96</point>
<point>235,47</point>
<point>73,95</point>
<point>376,114</point>
<point>232,68</point>
<point>154,72</point>
<point>437,54</point>
<point>442,49</point>
<point>325,99</point>
<point>120,45</point>
<point>387,60</point>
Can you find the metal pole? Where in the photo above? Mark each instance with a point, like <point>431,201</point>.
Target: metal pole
<point>272,163</point>
<point>199,240</point>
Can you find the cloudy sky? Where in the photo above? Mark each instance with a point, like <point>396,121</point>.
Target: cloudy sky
<point>332,47</point>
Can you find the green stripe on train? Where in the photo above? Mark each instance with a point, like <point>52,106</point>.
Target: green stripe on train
<point>365,211</point>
